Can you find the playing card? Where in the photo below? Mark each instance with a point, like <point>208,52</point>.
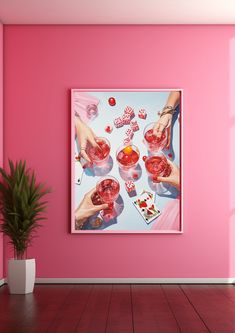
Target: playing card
<point>146,207</point>
<point>78,172</point>
<point>150,193</point>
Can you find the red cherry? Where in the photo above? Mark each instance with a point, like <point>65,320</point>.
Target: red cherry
<point>144,158</point>
<point>170,155</point>
<point>112,101</point>
<point>135,175</point>
<point>126,159</point>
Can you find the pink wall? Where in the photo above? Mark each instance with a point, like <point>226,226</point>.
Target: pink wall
<point>1,133</point>
<point>43,62</point>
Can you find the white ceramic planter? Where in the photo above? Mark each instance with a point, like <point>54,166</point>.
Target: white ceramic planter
<point>21,276</point>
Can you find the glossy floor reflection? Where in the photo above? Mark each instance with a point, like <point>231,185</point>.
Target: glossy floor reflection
<point>119,308</point>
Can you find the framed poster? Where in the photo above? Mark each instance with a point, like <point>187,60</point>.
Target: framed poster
<point>126,161</point>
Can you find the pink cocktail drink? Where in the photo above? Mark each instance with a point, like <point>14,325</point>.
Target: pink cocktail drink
<point>127,156</point>
<point>99,155</point>
<point>152,142</point>
<point>108,189</point>
<point>157,166</point>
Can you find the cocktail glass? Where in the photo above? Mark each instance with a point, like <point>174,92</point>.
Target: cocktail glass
<point>99,155</point>
<point>157,165</point>
<point>152,142</point>
<point>108,189</point>
<point>127,156</point>
<point>92,111</point>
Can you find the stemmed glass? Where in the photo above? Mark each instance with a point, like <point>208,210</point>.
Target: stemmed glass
<point>107,190</point>
<point>157,165</point>
<point>127,156</point>
<point>152,142</point>
<point>99,155</point>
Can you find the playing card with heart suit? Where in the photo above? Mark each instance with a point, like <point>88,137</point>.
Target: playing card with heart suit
<point>150,193</point>
<point>146,207</point>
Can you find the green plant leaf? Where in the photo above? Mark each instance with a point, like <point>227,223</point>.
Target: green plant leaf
<point>21,206</point>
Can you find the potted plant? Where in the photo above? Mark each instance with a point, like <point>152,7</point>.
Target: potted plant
<point>21,210</point>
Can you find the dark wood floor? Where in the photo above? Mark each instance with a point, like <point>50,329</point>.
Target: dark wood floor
<point>119,308</point>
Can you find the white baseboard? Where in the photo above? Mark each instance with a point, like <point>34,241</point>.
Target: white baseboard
<point>132,280</point>
<point>137,280</point>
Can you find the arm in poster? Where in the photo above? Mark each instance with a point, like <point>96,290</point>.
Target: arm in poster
<point>85,136</point>
<point>165,119</point>
<point>170,217</point>
<point>174,178</point>
<point>87,209</point>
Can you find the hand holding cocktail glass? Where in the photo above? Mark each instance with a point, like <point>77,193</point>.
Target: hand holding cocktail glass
<point>154,143</point>
<point>157,165</point>
<point>174,178</point>
<point>100,198</point>
<point>87,208</point>
<point>85,137</point>
<point>107,190</point>
<point>99,155</point>
<point>163,127</point>
<point>162,173</point>
<point>164,123</point>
